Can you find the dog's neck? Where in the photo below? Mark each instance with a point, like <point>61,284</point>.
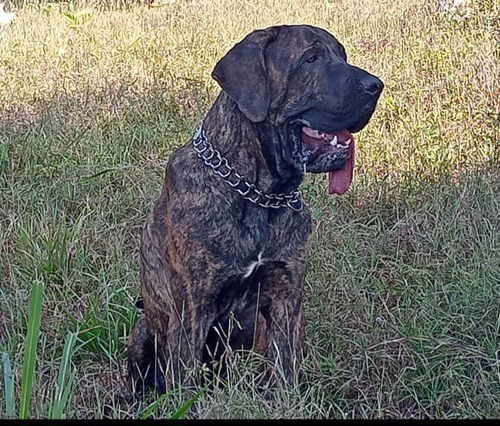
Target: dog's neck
<point>264,159</point>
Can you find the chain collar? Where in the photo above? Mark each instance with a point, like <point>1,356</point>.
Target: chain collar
<point>213,159</point>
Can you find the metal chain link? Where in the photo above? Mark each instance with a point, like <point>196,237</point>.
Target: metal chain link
<point>219,164</point>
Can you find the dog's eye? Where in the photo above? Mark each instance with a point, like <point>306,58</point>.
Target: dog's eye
<point>311,59</point>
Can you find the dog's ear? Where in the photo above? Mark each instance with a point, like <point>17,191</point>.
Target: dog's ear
<point>242,74</point>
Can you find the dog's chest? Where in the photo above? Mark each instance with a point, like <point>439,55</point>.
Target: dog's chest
<point>253,265</point>
<point>276,238</point>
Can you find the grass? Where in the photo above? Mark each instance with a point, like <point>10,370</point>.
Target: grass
<point>403,282</point>
<point>30,352</point>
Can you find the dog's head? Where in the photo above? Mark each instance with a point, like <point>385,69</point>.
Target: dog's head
<point>297,79</point>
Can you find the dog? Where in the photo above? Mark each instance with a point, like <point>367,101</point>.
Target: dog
<point>223,252</point>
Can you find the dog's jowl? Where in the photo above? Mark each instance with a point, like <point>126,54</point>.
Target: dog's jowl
<point>223,252</point>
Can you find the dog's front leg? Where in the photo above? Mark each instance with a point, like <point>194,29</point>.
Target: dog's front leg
<point>285,321</point>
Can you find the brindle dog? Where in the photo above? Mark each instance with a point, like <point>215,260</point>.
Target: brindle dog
<point>226,243</point>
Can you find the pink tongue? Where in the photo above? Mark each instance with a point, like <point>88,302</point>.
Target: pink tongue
<point>340,180</point>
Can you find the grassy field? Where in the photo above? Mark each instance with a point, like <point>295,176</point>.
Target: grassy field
<point>403,283</point>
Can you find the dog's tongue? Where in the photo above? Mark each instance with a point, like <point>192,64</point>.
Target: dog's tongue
<point>340,180</point>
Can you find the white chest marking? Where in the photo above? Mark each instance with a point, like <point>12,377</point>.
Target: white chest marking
<point>253,265</point>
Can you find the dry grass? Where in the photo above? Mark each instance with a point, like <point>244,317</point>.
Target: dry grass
<point>402,288</point>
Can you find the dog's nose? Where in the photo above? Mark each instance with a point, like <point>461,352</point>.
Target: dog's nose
<point>371,84</point>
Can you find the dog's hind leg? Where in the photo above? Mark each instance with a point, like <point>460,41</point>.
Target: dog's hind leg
<point>183,343</point>
<point>145,364</point>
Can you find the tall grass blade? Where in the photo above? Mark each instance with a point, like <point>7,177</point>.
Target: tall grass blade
<point>152,407</point>
<point>8,386</point>
<point>65,379</point>
<point>30,348</point>
<point>181,411</point>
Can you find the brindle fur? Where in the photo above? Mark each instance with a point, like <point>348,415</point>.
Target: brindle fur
<point>201,237</point>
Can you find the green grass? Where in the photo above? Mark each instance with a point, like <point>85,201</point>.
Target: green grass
<point>65,380</point>
<point>10,407</point>
<point>403,283</point>
<point>30,352</point>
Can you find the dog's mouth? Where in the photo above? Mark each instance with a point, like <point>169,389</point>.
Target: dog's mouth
<point>328,151</point>
<point>340,144</point>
